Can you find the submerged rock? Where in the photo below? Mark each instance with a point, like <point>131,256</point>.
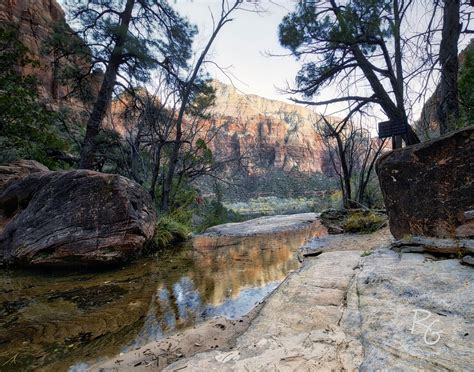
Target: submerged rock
<point>428,187</point>
<point>78,217</point>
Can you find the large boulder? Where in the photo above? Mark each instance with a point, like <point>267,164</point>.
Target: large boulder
<point>428,188</point>
<point>74,218</point>
<point>17,170</point>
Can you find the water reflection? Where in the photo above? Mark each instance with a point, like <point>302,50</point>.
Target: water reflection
<point>52,322</point>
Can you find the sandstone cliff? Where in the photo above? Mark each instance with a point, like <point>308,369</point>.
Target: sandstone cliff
<point>427,126</point>
<point>270,134</point>
<point>35,21</point>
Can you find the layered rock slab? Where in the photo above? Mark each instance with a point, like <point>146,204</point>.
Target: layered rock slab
<point>428,187</point>
<point>74,218</point>
<point>299,326</point>
<point>415,312</point>
<point>308,224</point>
<point>344,311</point>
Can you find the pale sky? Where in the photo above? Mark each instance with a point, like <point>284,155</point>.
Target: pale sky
<point>243,45</point>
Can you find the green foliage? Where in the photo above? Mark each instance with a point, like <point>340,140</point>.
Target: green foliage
<point>28,129</point>
<point>215,213</point>
<point>184,198</point>
<point>364,222</point>
<point>366,253</point>
<point>373,197</point>
<point>169,230</point>
<point>465,86</point>
<point>314,29</point>
<point>175,226</point>
<point>202,98</point>
<point>156,35</point>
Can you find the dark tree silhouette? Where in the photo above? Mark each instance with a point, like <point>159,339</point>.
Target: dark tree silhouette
<point>128,39</point>
<point>353,41</point>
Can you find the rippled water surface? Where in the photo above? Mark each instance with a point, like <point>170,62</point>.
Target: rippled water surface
<point>55,321</point>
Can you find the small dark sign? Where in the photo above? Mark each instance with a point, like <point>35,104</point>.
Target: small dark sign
<point>390,129</point>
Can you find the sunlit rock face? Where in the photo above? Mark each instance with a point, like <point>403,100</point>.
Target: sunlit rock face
<point>428,188</point>
<point>270,134</point>
<point>427,126</point>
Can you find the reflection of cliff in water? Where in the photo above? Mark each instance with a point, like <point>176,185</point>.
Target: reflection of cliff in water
<point>55,321</point>
<point>227,281</point>
<point>249,262</point>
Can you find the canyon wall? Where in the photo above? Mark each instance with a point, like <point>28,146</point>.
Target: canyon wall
<point>268,134</point>
<point>34,20</point>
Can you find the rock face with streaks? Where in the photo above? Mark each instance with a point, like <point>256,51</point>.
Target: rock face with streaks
<point>74,218</point>
<point>270,134</point>
<point>429,188</point>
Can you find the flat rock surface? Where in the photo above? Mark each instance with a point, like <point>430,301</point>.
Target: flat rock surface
<point>215,333</point>
<point>349,309</point>
<point>348,242</point>
<point>264,225</point>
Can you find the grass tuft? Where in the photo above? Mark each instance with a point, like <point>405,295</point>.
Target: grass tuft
<point>363,222</point>
<point>169,230</point>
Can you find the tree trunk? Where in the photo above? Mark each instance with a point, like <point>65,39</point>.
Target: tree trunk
<point>173,161</point>
<point>448,110</point>
<point>168,182</point>
<point>156,172</point>
<point>105,93</point>
<point>346,173</point>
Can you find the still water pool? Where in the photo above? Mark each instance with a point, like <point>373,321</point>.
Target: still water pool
<point>51,321</point>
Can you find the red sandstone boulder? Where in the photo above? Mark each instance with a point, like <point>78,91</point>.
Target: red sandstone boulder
<point>429,188</point>
<point>74,218</point>
<point>17,170</point>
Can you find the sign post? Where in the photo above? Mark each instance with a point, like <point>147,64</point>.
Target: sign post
<point>392,129</point>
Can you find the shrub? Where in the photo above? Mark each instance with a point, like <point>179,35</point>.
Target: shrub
<point>169,230</point>
<point>217,214</point>
<point>363,222</point>
<point>28,128</point>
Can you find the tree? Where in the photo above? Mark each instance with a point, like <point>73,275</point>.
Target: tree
<point>191,87</point>
<point>352,42</point>
<point>128,39</point>
<point>466,82</point>
<point>28,129</point>
<point>448,109</point>
<point>352,153</point>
